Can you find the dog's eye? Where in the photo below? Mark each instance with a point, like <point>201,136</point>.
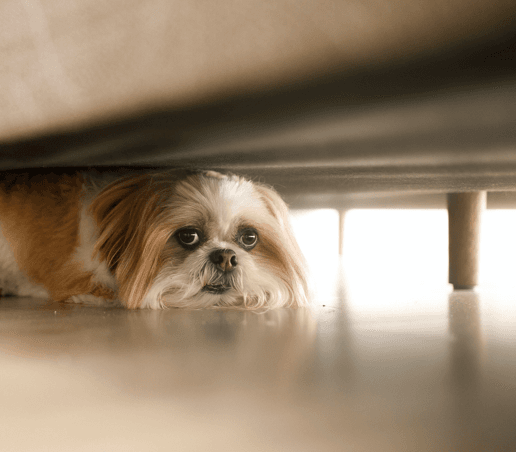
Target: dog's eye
<point>189,237</point>
<point>248,238</point>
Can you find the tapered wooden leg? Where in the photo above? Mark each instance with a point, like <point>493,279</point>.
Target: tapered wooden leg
<point>342,215</point>
<point>464,217</point>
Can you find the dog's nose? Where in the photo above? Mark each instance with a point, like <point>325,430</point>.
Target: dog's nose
<point>224,260</point>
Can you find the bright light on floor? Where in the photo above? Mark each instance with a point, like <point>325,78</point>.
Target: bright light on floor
<point>391,254</point>
<point>317,232</point>
<point>498,250</point>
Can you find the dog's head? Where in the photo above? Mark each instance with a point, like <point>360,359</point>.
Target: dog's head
<point>202,240</point>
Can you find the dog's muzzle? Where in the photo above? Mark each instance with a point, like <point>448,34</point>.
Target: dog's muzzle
<point>225,261</point>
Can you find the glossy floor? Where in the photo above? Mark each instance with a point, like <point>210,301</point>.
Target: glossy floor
<point>384,361</point>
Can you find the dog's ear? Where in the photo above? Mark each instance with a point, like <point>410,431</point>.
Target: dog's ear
<point>287,251</point>
<point>131,235</point>
<point>279,210</point>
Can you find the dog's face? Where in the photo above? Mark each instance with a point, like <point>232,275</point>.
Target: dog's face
<point>200,241</point>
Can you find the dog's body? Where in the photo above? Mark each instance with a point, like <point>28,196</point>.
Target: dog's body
<point>148,240</point>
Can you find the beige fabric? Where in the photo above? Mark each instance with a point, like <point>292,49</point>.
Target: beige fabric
<point>69,63</point>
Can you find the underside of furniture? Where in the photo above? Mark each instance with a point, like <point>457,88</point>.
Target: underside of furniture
<point>344,105</point>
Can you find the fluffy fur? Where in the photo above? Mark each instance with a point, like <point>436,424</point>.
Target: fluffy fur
<point>86,238</point>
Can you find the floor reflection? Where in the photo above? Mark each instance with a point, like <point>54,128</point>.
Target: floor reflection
<point>467,346</point>
<point>335,365</point>
<point>466,368</point>
<point>384,361</point>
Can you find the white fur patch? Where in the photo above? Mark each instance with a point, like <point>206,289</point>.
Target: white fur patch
<point>88,235</point>
<point>12,280</point>
<point>153,298</point>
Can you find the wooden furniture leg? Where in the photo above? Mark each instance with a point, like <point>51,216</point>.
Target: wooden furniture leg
<point>464,217</point>
<point>342,215</point>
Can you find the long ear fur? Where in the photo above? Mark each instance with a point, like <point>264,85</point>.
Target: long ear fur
<point>131,235</point>
<point>290,254</point>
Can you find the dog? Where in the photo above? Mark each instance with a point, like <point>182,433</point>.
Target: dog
<point>148,240</point>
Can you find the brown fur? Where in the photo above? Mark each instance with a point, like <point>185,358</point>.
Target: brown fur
<point>40,219</point>
<point>287,258</point>
<point>132,233</point>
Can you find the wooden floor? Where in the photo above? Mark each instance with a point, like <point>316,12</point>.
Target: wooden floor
<point>371,367</point>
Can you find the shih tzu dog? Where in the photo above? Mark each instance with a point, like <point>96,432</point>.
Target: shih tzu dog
<point>148,240</point>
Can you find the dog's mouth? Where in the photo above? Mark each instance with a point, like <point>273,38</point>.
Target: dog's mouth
<point>216,288</point>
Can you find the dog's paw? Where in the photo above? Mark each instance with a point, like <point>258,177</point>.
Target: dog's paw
<point>93,300</point>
